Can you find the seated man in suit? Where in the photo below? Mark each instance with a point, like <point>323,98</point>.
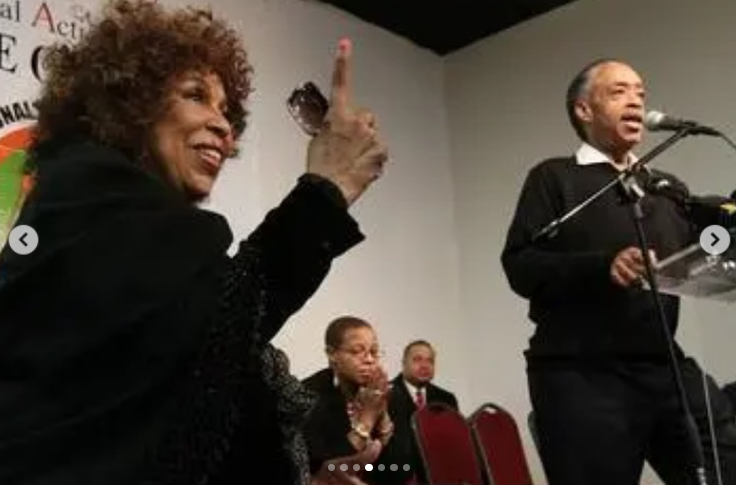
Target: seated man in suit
<point>730,391</point>
<point>411,390</point>
<point>352,407</point>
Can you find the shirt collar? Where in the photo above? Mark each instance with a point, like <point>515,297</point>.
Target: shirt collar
<point>587,154</point>
<point>413,390</point>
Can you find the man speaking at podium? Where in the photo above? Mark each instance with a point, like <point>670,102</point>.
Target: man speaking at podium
<point>598,369</point>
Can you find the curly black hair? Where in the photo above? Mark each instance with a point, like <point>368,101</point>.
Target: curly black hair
<point>111,86</point>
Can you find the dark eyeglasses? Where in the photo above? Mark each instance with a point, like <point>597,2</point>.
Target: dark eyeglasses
<point>308,106</point>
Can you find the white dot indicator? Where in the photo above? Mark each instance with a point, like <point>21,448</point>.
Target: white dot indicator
<point>369,467</point>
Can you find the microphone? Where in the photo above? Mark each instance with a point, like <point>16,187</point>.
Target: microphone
<point>659,185</point>
<point>657,121</point>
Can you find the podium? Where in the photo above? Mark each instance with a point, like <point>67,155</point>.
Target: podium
<point>693,272</point>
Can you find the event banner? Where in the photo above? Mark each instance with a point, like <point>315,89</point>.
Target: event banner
<point>27,28</point>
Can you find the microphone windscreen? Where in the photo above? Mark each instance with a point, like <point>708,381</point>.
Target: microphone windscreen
<point>653,120</point>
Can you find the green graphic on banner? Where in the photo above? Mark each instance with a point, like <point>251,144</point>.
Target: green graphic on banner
<point>13,182</point>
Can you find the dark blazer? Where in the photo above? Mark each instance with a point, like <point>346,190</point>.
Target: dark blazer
<point>328,426</point>
<point>118,362</point>
<point>730,392</point>
<point>402,407</point>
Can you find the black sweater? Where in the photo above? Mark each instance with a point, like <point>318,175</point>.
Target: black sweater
<point>580,313</point>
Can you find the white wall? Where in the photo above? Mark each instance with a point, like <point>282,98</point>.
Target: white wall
<point>505,101</point>
<point>403,278</point>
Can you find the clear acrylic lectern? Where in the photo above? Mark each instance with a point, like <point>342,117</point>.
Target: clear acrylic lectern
<point>694,272</point>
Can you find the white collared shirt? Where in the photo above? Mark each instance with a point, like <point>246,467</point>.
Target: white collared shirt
<point>414,390</point>
<point>587,154</point>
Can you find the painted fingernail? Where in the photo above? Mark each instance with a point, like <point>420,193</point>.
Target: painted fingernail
<point>343,45</point>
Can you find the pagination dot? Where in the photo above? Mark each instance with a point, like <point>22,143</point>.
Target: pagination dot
<point>331,467</point>
<point>381,467</point>
<point>369,467</point>
<point>394,467</point>
<point>407,468</point>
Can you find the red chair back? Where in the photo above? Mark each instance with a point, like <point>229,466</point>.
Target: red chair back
<point>501,449</point>
<point>446,446</point>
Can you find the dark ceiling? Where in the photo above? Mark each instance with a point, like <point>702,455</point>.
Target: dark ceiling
<point>444,26</point>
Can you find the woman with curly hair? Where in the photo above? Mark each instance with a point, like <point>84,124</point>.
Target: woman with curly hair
<point>133,349</point>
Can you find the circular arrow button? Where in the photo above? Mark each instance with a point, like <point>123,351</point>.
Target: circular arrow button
<point>715,239</point>
<point>23,240</point>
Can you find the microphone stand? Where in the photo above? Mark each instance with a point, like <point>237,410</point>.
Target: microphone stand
<point>551,229</point>
<point>634,198</point>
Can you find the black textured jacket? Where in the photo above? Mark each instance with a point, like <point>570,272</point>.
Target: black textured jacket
<point>128,338</point>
